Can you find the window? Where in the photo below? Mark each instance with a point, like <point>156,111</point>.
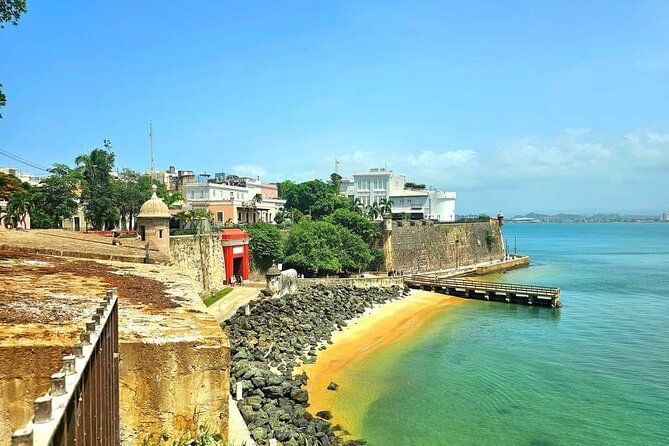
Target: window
<point>201,193</point>
<point>160,233</point>
<point>219,216</point>
<point>192,194</point>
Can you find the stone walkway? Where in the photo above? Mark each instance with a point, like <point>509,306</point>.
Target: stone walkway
<point>238,297</point>
<point>238,432</point>
<point>59,242</point>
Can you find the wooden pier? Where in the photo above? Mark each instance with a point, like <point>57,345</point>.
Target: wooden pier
<point>495,291</point>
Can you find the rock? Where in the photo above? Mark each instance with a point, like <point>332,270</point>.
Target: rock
<point>295,326</point>
<point>300,395</point>
<point>333,386</point>
<point>259,433</point>
<point>324,414</point>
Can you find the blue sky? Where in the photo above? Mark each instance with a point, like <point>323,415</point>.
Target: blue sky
<point>519,106</point>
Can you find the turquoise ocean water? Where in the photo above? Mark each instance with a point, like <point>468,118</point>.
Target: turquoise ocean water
<point>594,372</point>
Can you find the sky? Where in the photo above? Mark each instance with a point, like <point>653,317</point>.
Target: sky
<point>517,106</point>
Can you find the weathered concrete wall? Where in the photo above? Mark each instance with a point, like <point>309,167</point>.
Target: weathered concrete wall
<point>171,387</point>
<point>174,357</point>
<point>361,282</point>
<point>283,284</point>
<point>419,246</point>
<point>24,376</point>
<point>201,257</point>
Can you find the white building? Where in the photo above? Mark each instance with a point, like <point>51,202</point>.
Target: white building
<point>26,177</point>
<point>237,201</point>
<point>378,184</point>
<point>665,216</point>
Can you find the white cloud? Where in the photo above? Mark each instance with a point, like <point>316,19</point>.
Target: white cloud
<point>574,154</point>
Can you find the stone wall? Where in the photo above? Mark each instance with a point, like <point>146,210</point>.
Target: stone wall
<point>420,246</point>
<point>174,357</point>
<point>360,282</point>
<point>201,257</point>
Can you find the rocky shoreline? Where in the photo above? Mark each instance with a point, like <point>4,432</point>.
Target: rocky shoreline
<point>277,336</point>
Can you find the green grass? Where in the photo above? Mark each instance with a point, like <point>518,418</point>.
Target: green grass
<point>209,301</point>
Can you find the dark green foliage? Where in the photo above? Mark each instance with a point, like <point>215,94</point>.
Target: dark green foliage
<point>378,259</point>
<point>356,223</point>
<point>266,244</point>
<point>54,199</point>
<point>417,186</point>
<point>335,180</point>
<point>131,190</point>
<point>314,198</point>
<point>99,196</point>
<point>321,247</point>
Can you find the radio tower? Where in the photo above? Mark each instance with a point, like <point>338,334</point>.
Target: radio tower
<point>151,139</point>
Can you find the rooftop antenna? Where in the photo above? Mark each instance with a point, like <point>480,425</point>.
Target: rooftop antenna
<point>336,166</point>
<point>151,139</point>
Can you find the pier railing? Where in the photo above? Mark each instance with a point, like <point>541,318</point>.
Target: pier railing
<point>510,292</point>
<point>82,406</point>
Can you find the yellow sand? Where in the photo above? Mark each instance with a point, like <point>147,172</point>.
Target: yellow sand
<point>373,330</point>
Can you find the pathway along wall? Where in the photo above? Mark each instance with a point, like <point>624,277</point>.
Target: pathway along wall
<point>419,246</point>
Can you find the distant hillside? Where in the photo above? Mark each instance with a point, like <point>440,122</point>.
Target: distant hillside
<point>569,218</point>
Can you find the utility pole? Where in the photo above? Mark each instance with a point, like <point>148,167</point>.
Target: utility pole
<point>151,140</point>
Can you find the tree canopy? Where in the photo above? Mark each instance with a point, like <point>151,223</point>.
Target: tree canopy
<point>314,198</point>
<point>266,244</point>
<point>98,193</point>
<point>55,198</point>
<point>320,247</point>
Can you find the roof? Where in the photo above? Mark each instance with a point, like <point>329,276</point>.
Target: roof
<point>154,207</point>
<point>233,234</point>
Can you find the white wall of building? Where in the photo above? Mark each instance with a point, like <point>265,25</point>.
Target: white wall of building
<point>379,184</point>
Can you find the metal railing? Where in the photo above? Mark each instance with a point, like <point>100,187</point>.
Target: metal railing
<point>419,279</point>
<point>82,406</point>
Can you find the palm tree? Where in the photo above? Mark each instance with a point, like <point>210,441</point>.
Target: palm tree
<point>17,209</point>
<point>170,199</point>
<point>358,205</point>
<point>386,206</point>
<point>373,211</point>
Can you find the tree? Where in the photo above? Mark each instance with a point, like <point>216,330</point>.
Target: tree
<point>10,184</point>
<point>17,209</point>
<point>415,186</point>
<point>335,180</point>
<point>318,247</point>
<point>10,11</point>
<point>131,190</point>
<point>386,206</point>
<point>314,198</point>
<point>356,223</point>
<point>171,199</point>
<point>266,244</point>
<point>54,199</point>
<point>373,211</point>
<point>98,197</point>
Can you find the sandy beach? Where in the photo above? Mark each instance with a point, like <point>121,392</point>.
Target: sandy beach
<point>377,328</point>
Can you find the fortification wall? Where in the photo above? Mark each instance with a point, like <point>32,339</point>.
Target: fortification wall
<point>418,246</point>
<point>174,361</point>
<point>201,257</point>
